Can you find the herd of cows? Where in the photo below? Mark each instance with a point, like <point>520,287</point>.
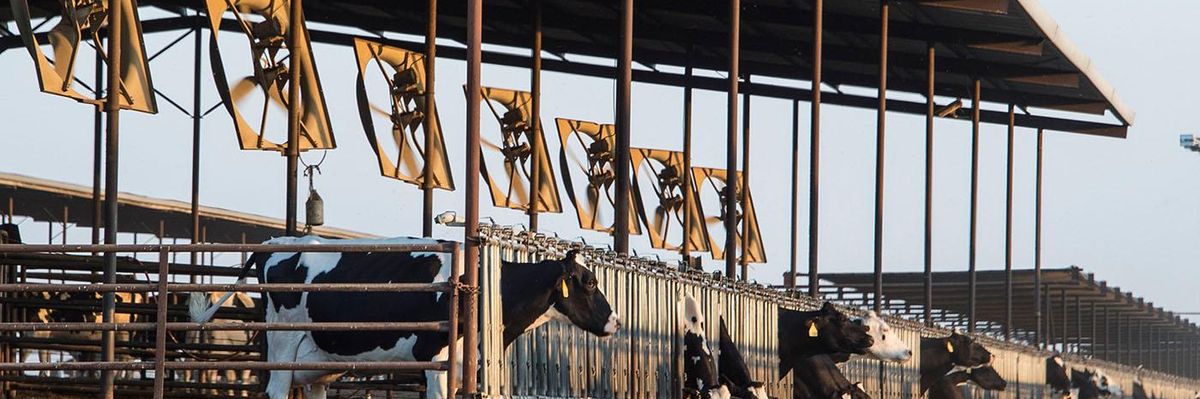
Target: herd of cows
<point>811,344</point>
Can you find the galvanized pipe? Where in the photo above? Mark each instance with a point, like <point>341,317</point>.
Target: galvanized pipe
<point>731,125</point>
<point>624,130</point>
<point>814,151</point>
<point>930,109</point>
<point>471,229</point>
<point>293,144</point>
<point>535,106</point>
<point>430,121</point>
<point>1037,242</point>
<point>975,105</point>
<point>111,191</point>
<point>1008,229</point>
<point>744,199</point>
<point>880,136</point>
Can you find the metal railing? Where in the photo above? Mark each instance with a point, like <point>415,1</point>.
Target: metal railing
<point>162,326</point>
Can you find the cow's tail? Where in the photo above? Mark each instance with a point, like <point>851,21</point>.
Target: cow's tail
<point>201,310</point>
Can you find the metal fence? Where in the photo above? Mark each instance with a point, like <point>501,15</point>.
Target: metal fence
<point>163,286</point>
<point>641,361</point>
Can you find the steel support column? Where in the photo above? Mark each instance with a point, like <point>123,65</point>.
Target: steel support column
<point>621,153</point>
<point>97,156</point>
<point>687,163</point>
<point>814,151</point>
<point>1008,229</point>
<point>731,128</point>
<point>196,115</point>
<point>790,281</point>
<point>293,144</point>
<point>1119,356</point>
<point>1107,354</point>
<point>975,113</point>
<point>1092,341</point>
<point>1078,326</point>
<point>112,104</point>
<point>427,174</point>
<point>1040,335</point>
<point>471,208</point>
<point>930,90</point>
<point>880,136</point>
<point>744,200</point>
<point>1063,310</point>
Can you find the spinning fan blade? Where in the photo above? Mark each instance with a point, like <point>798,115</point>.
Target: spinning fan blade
<point>522,153</point>
<point>80,21</point>
<point>381,111</point>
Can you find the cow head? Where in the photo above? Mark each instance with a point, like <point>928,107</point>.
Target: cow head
<point>1086,382</point>
<point>834,330</point>
<point>987,378</point>
<point>578,297</point>
<point>965,352</point>
<point>1056,375</point>
<point>887,345</point>
<point>10,234</point>
<point>855,392</point>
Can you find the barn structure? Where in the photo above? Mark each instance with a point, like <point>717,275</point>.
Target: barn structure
<point>990,61</point>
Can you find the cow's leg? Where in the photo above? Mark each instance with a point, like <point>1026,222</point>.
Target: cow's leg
<point>435,380</point>
<point>281,347</point>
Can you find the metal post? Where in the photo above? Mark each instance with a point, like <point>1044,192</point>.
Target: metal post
<point>1063,309</point>
<point>687,161</point>
<point>621,156</point>
<point>814,150</point>
<point>731,125</point>
<point>1119,348</point>
<point>744,199</point>
<point>929,114</point>
<point>113,106</point>
<point>1037,242</point>
<point>196,91</point>
<point>1107,333</point>
<point>1093,342</point>
<point>451,349</point>
<point>471,208</point>
<point>1047,338</point>
<point>880,134</point>
<point>431,118</point>
<point>66,217</point>
<point>293,144</point>
<point>975,113</point>
<point>1008,230</point>
<point>97,155</point>
<point>160,339</point>
<point>790,281</point>
<point>1078,326</point>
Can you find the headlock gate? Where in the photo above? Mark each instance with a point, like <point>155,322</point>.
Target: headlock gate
<point>642,360</point>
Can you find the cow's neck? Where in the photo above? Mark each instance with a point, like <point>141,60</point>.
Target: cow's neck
<point>526,295</point>
<point>947,386</point>
<point>935,361</point>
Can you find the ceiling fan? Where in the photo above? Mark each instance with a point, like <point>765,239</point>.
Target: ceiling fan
<point>587,152</point>
<point>265,24</point>
<point>404,73</point>
<point>82,20</point>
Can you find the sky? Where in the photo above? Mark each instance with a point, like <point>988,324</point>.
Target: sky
<point>1123,209</point>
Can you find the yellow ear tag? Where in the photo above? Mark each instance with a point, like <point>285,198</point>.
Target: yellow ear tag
<point>949,347</point>
<point>564,289</point>
<point>812,330</point>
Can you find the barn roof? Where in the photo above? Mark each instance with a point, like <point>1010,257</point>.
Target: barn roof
<point>1017,50</point>
<point>44,201</point>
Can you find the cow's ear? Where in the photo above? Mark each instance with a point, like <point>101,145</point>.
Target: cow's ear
<point>813,332</point>
<point>949,346</point>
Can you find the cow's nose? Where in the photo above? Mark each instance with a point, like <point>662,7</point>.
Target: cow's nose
<point>908,353</point>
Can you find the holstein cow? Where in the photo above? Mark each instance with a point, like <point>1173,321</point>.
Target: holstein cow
<point>1139,390</point>
<point>887,347</point>
<point>818,377</point>
<point>1085,384</point>
<point>1108,386</point>
<point>700,378</point>
<point>1057,377</point>
<point>822,332</point>
<point>734,372</point>
<point>532,294</point>
<point>941,355</point>
<point>985,377</point>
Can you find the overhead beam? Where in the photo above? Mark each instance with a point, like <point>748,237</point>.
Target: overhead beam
<point>987,6</point>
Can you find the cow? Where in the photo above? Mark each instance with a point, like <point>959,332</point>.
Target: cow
<point>1108,387</point>
<point>1085,384</point>
<point>77,310</point>
<point>1057,377</point>
<point>985,377</point>
<point>532,294</point>
<point>818,377</point>
<point>941,355</point>
<point>821,332</point>
<point>1139,389</point>
<point>10,233</point>
<point>888,347</point>
<point>700,379</point>
<point>733,371</point>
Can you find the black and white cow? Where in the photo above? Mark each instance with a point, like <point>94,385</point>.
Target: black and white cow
<point>734,373</point>
<point>1057,377</point>
<point>700,378</point>
<point>985,377</point>
<point>822,332</point>
<point>1085,384</point>
<point>941,355</point>
<point>1139,389</point>
<point>818,377</point>
<point>532,294</point>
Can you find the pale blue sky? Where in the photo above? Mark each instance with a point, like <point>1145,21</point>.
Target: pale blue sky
<point>1123,209</point>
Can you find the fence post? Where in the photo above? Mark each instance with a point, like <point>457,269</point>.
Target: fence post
<point>160,339</point>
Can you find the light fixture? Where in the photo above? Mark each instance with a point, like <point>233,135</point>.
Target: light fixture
<point>450,219</point>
